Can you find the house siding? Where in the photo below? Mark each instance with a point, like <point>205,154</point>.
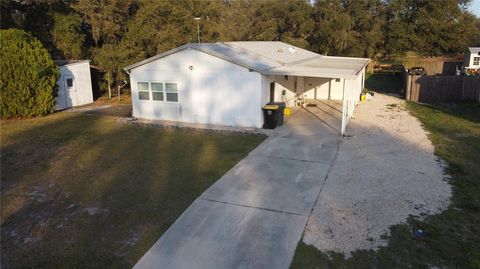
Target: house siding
<point>210,90</point>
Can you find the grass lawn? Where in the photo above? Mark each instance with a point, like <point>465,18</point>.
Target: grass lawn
<point>80,191</point>
<point>453,237</point>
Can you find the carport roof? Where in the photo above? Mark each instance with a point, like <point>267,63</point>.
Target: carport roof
<point>274,58</point>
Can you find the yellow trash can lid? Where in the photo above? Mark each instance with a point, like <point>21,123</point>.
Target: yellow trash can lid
<point>271,107</point>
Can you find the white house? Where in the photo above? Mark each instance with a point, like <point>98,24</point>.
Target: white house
<point>228,83</point>
<point>74,84</point>
<point>471,59</point>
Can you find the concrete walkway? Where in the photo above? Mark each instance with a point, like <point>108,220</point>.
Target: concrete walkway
<point>254,216</point>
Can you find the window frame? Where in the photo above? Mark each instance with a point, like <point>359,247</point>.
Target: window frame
<point>148,90</point>
<point>477,59</point>
<point>165,90</point>
<point>69,79</point>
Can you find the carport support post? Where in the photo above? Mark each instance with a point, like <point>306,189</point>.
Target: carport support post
<point>344,108</point>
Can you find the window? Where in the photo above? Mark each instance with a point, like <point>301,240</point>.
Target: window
<point>476,60</point>
<point>172,92</point>
<point>157,91</point>
<point>143,93</point>
<point>69,82</point>
<point>337,80</point>
<point>160,91</point>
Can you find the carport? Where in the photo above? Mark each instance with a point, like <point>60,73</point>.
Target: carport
<point>327,87</point>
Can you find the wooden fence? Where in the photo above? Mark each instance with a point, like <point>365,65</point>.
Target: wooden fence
<point>442,89</point>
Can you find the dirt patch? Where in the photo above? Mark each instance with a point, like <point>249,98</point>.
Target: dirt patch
<point>100,109</point>
<point>384,172</point>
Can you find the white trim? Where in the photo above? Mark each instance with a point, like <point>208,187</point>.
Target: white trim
<point>344,108</point>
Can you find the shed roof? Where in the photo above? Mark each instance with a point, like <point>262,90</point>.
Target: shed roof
<point>274,58</point>
<point>69,62</point>
<point>474,49</point>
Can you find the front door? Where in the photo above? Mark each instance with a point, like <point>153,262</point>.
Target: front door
<point>71,91</point>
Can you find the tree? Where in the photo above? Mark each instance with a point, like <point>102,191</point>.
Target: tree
<point>429,28</point>
<point>113,58</point>
<point>68,35</point>
<point>107,18</point>
<point>367,19</point>
<point>332,30</point>
<point>287,21</point>
<point>28,77</point>
<point>159,26</point>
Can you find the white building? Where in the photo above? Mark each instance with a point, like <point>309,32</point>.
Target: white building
<point>228,83</point>
<point>471,59</point>
<point>74,84</point>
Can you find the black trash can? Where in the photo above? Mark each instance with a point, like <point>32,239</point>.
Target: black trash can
<point>270,116</point>
<point>281,111</point>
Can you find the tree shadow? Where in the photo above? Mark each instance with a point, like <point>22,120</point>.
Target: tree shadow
<point>91,192</point>
<point>384,83</point>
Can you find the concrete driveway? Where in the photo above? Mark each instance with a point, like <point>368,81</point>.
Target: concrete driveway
<point>254,216</point>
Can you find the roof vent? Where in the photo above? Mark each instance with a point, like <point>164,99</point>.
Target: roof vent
<point>292,50</point>
<point>279,50</point>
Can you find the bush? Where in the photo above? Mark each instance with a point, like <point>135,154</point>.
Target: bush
<point>28,76</point>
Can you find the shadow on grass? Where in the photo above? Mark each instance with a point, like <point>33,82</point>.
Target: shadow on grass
<point>81,191</point>
<point>384,83</point>
<point>453,236</point>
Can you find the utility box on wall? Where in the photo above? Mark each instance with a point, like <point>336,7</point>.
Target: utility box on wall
<point>74,84</point>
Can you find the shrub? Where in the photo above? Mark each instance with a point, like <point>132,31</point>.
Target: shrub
<point>28,76</point>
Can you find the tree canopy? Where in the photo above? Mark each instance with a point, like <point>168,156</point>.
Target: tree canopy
<point>115,33</point>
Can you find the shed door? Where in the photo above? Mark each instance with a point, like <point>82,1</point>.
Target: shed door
<point>71,91</point>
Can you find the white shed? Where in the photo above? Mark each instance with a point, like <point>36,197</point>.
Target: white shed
<point>471,59</point>
<point>74,84</point>
<point>228,83</point>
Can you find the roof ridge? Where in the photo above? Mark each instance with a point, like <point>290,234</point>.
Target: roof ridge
<point>262,56</point>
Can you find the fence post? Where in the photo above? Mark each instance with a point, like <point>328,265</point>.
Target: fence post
<point>408,86</point>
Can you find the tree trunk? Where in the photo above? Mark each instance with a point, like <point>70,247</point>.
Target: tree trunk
<point>109,89</point>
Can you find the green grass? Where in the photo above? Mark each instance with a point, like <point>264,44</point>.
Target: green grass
<point>134,180</point>
<point>384,83</point>
<point>453,239</point>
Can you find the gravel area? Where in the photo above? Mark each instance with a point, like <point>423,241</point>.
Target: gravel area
<point>384,172</point>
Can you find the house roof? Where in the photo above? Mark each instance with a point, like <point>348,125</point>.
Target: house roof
<point>69,62</point>
<point>474,49</point>
<point>274,58</point>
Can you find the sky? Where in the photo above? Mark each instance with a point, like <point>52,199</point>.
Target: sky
<point>475,7</point>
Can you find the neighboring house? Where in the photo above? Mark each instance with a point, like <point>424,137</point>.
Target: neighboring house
<point>228,83</point>
<point>471,60</point>
<point>74,85</point>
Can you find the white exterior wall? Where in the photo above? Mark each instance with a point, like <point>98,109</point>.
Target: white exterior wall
<point>352,90</point>
<point>215,91</point>
<point>281,83</point>
<point>310,87</point>
<point>81,92</point>
<point>336,89</point>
